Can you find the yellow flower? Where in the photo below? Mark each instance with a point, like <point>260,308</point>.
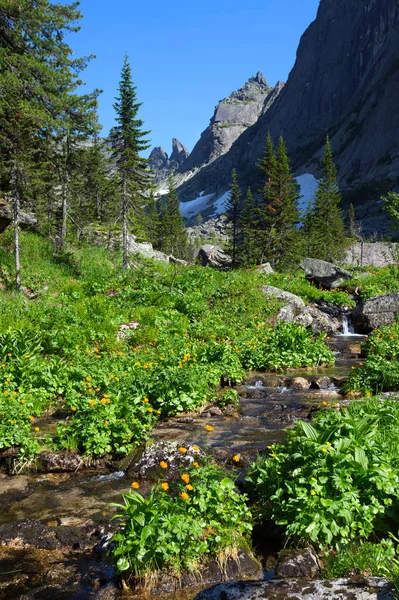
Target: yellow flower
<point>88,378</point>
<point>73,409</point>
<point>184,496</point>
<point>186,477</point>
<point>324,449</point>
<point>182,450</point>
<point>165,486</point>
<point>163,464</point>
<point>313,493</point>
<point>324,403</point>
<point>32,419</point>
<point>107,423</point>
<point>145,400</point>
<point>138,364</point>
<point>103,401</point>
<point>196,448</point>
<point>37,428</point>
<point>189,487</point>
<point>27,355</point>
<point>159,412</point>
<point>135,485</point>
<point>236,458</point>
<point>209,427</point>
<point>9,354</point>
<point>314,479</point>
<point>196,465</point>
<point>22,401</point>
<point>92,402</point>
<point>150,409</point>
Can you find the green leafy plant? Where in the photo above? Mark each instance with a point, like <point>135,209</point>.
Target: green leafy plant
<point>180,524</point>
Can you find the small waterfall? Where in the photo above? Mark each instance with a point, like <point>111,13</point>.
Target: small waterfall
<point>347,327</point>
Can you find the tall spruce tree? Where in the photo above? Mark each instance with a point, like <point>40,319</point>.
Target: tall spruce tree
<point>127,140</point>
<point>328,223</point>
<point>278,214</point>
<point>248,254</point>
<point>175,237</point>
<point>234,219</point>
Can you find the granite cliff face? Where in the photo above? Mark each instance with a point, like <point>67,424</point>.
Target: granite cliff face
<point>345,82</point>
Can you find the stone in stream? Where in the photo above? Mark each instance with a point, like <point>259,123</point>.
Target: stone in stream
<point>149,466</point>
<point>370,588</point>
<point>330,276</point>
<point>375,312</point>
<point>299,383</point>
<point>321,383</point>
<point>297,563</point>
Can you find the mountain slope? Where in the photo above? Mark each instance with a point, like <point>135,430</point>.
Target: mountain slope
<point>345,82</point>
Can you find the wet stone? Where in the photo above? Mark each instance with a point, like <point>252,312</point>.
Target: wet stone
<point>299,383</point>
<point>297,563</point>
<point>149,467</point>
<point>373,588</point>
<point>322,383</point>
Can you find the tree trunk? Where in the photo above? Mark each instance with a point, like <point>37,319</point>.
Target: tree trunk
<point>16,206</point>
<point>125,206</point>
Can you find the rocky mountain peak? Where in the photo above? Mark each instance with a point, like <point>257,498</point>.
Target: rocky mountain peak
<point>179,152</point>
<point>161,164</point>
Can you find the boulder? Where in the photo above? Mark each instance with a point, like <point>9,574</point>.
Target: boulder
<point>363,588</point>
<point>318,320</point>
<point>297,563</point>
<point>266,269</point>
<point>288,298</point>
<point>300,383</point>
<point>327,274</point>
<point>214,256</point>
<point>6,217</point>
<point>322,383</point>
<point>375,312</point>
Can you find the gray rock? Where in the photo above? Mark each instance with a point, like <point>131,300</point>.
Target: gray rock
<point>297,563</point>
<point>162,165</point>
<point>319,321</point>
<point>322,383</point>
<point>213,255</point>
<point>299,383</point>
<point>377,254</point>
<point>328,275</point>
<point>148,465</point>
<point>292,300</point>
<point>370,588</point>
<point>375,312</point>
<point>266,269</point>
<point>6,217</point>
<point>243,565</point>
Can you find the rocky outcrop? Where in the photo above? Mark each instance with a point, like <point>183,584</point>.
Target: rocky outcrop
<point>211,229</point>
<point>375,312</point>
<point>212,255</point>
<point>326,274</point>
<point>6,217</point>
<point>266,269</point>
<point>162,165</point>
<point>362,588</point>
<point>232,116</point>
<point>373,254</point>
<point>289,299</point>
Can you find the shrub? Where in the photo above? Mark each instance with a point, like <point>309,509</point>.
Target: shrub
<point>333,481</point>
<point>181,524</point>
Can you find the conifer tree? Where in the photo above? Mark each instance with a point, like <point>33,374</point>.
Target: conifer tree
<point>307,229</point>
<point>153,218</point>
<point>352,225</point>
<point>127,141</point>
<point>328,224</point>
<point>248,231</point>
<point>233,215</point>
<point>38,80</point>
<point>175,237</point>
<point>278,215</point>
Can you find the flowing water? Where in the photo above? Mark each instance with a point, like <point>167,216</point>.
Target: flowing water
<point>64,515</point>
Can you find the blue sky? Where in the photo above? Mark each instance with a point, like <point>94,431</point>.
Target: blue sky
<point>186,56</point>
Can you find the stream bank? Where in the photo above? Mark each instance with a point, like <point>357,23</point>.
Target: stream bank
<point>54,534</point>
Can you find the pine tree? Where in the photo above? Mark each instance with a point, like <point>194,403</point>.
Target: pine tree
<point>278,215</point>
<point>153,220</point>
<point>248,253</point>
<point>38,79</point>
<point>308,229</point>
<point>127,141</point>
<point>353,229</point>
<point>175,237</point>
<point>233,215</point>
<point>328,224</point>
